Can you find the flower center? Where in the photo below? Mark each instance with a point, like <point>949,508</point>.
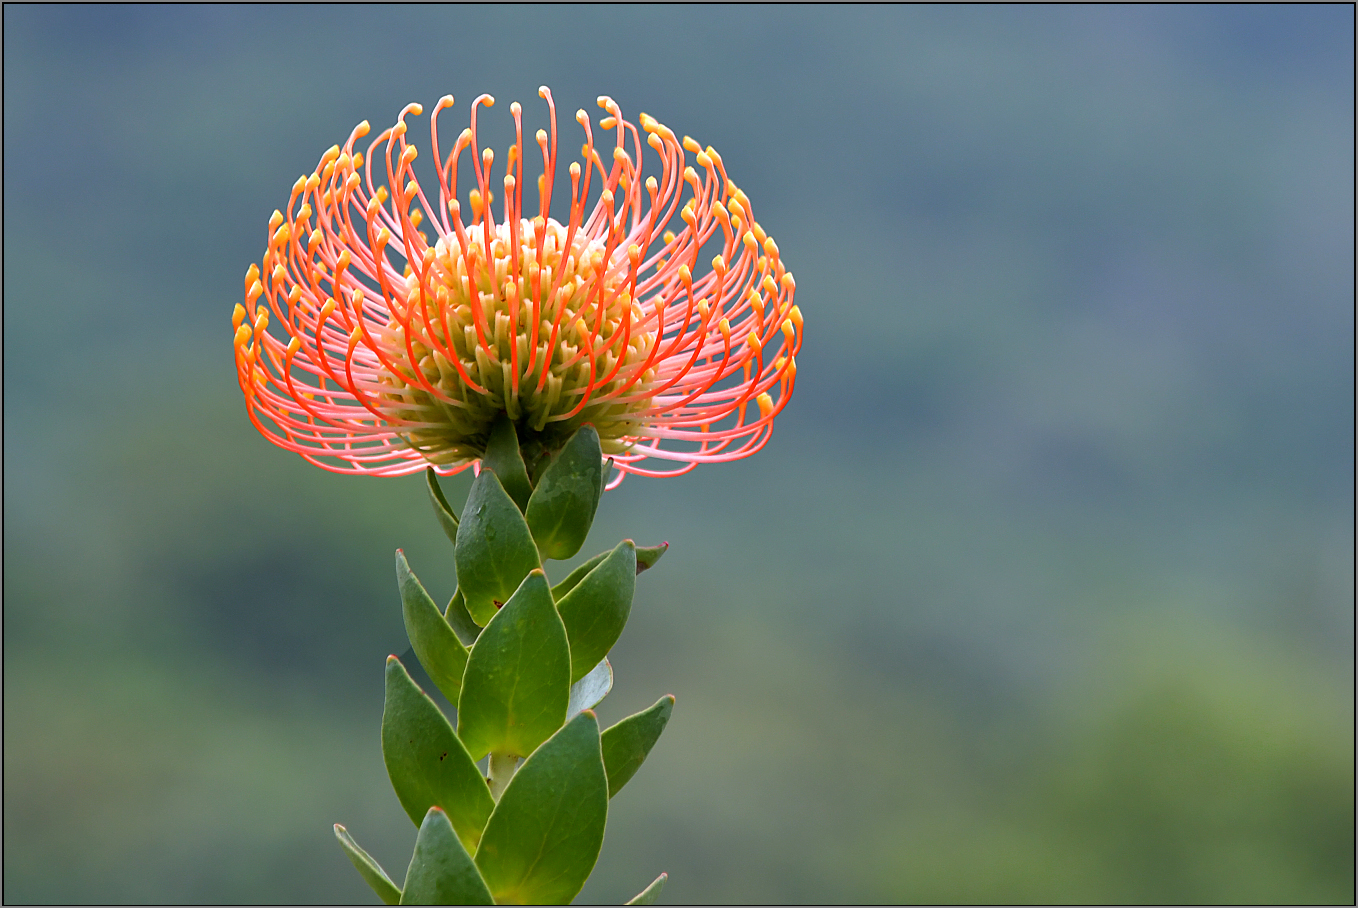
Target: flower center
<point>534,323</point>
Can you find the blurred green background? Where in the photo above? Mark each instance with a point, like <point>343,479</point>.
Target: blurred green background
<point>1042,591</point>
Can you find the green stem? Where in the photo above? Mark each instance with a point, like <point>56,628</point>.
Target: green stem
<point>502,768</point>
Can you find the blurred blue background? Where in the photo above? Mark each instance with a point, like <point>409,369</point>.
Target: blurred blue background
<point>1042,591</point>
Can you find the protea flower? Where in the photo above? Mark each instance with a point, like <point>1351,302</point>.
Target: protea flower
<point>392,349</point>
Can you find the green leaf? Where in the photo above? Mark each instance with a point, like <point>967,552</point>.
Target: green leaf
<point>575,576</point>
<point>648,895</point>
<point>562,506</point>
<point>603,476</point>
<point>627,743</point>
<point>502,455</point>
<point>596,608</point>
<point>371,871</point>
<point>646,557</point>
<point>447,519</point>
<point>543,839</point>
<point>440,651</point>
<point>649,555</point>
<point>590,690</point>
<point>494,550</point>
<point>427,764</point>
<point>441,872</point>
<point>517,684</point>
<point>460,620</point>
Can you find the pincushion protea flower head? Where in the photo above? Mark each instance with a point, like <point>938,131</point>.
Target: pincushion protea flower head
<point>391,350</point>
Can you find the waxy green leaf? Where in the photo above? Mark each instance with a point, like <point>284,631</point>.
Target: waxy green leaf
<point>517,684</point>
<point>460,620</point>
<point>562,506</point>
<point>575,576</point>
<point>543,839</point>
<point>441,872</point>
<point>447,519</point>
<point>590,690</point>
<point>502,455</point>
<point>370,870</point>
<point>596,609</point>
<point>427,763</point>
<point>440,651</point>
<point>626,744</point>
<point>647,556</point>
<point>648,895</point>
<point>494,550</point>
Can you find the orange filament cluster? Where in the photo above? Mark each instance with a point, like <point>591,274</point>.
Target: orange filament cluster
<point>390,351</point>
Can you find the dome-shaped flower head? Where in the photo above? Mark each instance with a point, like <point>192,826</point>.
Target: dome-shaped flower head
<point>403,319</point>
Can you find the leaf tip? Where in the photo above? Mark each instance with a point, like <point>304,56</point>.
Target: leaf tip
<point>648,556</point>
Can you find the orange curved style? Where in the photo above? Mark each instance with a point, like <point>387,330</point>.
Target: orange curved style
<point>393,348</point>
